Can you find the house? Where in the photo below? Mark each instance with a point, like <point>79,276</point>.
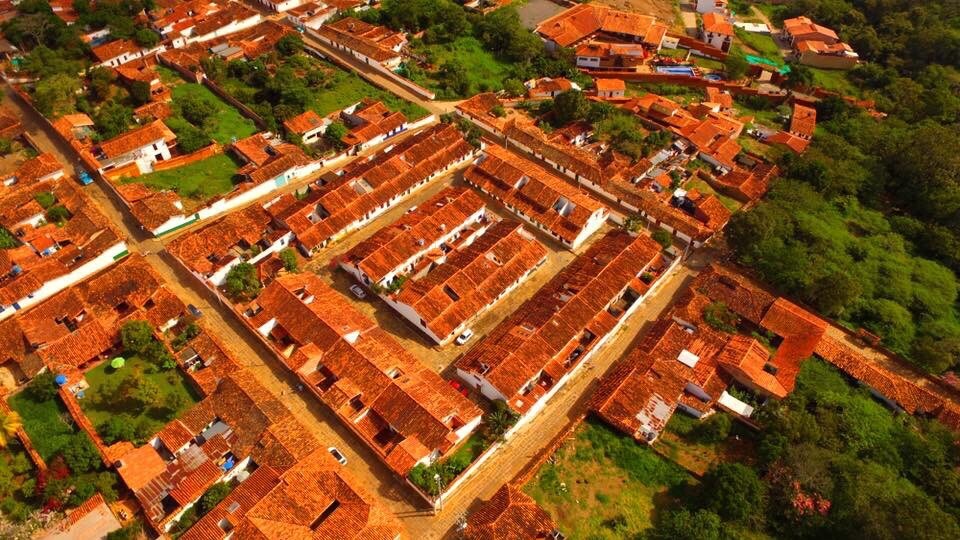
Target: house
<point>585,21</point>
<point>610,88</point>
<point>370,123</point>
<point>233,17</point>
<point>142,146</point>
<point>143,72</point>
<point>537,196</point>
<point>803,121</point>
<point>487,111</point>
<point>285,163</point>
<point>529,356</point>
<point>610,56</point>
<point>373,45</point>
<point>49,256</point>
<point>402,410</point>
<point>746,183</point>
<point>81,324</point>
<point>659,112</point>
<point>229,435</point>
<point>547,87</point>
<point>803,29</point>
<point>711,6</point>
<point>310,15</point>
<point>510,513</point>
<point>329,503</point>
<point>449,292</point>
<point>365,189</point>
<point>308,125</point>
<point>722,98</point>
<point>716,31</point>
<point>121,51</point>
<point>247,235</point>
<point>715,139</point>
<point>826,56</point>
<point>788,141</point>
<point>385,259</point>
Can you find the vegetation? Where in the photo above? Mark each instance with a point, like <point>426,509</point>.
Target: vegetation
<point>720,317</point>
<point>134,402</point>
<point>662,237</point>
<point>242,281</point>
<point>289,258</point>
<point>604,485</point>
<point>200,180</point>
<point>198,106</point>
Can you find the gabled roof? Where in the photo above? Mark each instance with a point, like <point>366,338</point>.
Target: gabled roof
<point>472,278</point>
<point>215,245</point>
<point>803,26</point>
<point>537,337</point>
<point>374,42</point>
<point>715,23</point>
<point>115,48</point>
<point>509,514</point>
<point>392,246</point>
<point>788,140</point>
<point>304,122</point>
<point>539,194</point>
<point>136,139</point>
<point>610,85</point>
<point>585,20</point>
<point>803,122</point>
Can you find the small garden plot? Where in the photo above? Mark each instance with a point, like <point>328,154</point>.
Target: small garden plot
<point>681,94</point>
<point>135,401</point>
<point>835,80</point>
<point>761,44</point>
<point>218,119</point>
<point>45,420</point>
<point>199,180</point>
<point>699,444</point>
<point>605,485</point>
<point>730,203</point>
<point>461,68</point>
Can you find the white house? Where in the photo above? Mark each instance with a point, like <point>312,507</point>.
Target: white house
<point>145,146</point>
<point>711,6</point>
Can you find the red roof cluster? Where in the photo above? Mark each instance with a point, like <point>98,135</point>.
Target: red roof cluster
<point>369,120</point>
<point>403,410</point>
<point>509,515</point>
<point>533,349</point>
<point>587,20</point>
<point>378,43</point>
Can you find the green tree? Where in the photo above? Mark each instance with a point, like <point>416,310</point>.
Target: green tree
<point>136,336</point>
<point>112,120</point>
<point>140,92</point>
<point>736,65</point>
<point>800,76</point>
<point>101,83</point>
<point>189,137</point>
<point>335,133</point>
<point>130,531</point>
<point>715,429</point>
<point>734,491</point>
<point>57,214</point>
<point>213,496</point>
<point>120,427</point>
<point>45,199</point>
<point>290,44</point>
<point>569,106</point>
<point>662,237</point>
<point>242,281</point>
<point>289,259</point>
<point>81,455</point>
<point>514,88</point>
<point>146,37</point>
<point>43,387</point>
<point>196,110</point>
<point>56,94</point>
<point>687,525</point>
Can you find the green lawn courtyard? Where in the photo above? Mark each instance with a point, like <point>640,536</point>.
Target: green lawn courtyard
<point>228,123</point>
<point>125,389</point>
<point>199,180</point>
<point>605,485</point>
<point>45,423</point>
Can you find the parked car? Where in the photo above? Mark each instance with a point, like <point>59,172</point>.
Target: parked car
<point>465,336</point>
<point>358,291</point>
<point>194,310</point>
<point>337,455</point>
<point>84,177</point>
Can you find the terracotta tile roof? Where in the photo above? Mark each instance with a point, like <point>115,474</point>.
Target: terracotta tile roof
<point>539,337</point>
<point>158,110</point>
<point>792,142</point>
<point>317,499</point>
<point>232,12</point>
<point>235,506</point>
<point>585,20</point>
<point>803,122</point>
<point>359,371</point>
<point>481,106</point>
<point>115,48</point>
<point>720,97</point>
<point>749,184</point>
<point>302,123</point>
<point>394,246</point>
<point>371,119</point>
<point>225,240</point>
<point>136,139</point>
<point>256,149</point>
<point>510,514</point>
<point>550,86</point>
<point>741,295</point>
<point>375,42</point>
<point>138,467</point>
<point>533,191</point>
<point>799,27</point>
<point>610,85</point>
<point>32,170</point>
<point>662,111</point>
<point>93,517</point>
<point>716,23</point>
<point>716,136</point>
<point>472,278</point>
<point>366,185</point>
<point>821,47</point>
<point>639,395</point>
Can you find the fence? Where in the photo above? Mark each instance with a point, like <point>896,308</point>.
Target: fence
<point>186,159</point>
<point>224,95</point>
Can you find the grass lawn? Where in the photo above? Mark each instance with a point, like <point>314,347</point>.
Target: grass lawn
<point>836,80</point>
<point>485,71</point>
<point>168,76</point>
<point>229,122</point>
<point>44,423</point>
<point>680,443</point>
<point>730,203</point>
<point>345,88</point>
<point>762,44</point>
<point>199,180</point>
<point>605,485</point>
<point>707,63</point>
<point>676,92</point>
<point>169,382</point>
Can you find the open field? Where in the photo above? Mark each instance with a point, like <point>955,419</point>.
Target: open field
<point>228,123</point>
<point>346,88</point>
<point>484,71</point>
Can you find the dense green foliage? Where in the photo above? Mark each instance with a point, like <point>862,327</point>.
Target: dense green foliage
<point>242,281</point>
<point>865,226</point>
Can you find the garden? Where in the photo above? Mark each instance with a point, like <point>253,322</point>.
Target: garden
<point>221,121</point>
<point>132,399</point>
<point>199,181</point>
<point>75,469</point>
<point>481,70</point>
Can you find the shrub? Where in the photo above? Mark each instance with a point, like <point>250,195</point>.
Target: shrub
<point>289,258</point>
<point>733,491</point>
<point>719,317</point>
<point>242,281</point>
<point>120,427</point>
<point>58,214</point>
<point>45,199</point>
<point>213,496</point>
<point>43,387</point>
<point>136,336</point>
<point>130,531</point>
<point>714,429</point>
<point>7,240</point>
<point>81,455</point>
<point>662,237</point>
<point>189,332</point>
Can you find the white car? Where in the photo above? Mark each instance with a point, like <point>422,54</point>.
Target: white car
<point>358,292</point>
<point>337,455</point>
<point>465,336</point>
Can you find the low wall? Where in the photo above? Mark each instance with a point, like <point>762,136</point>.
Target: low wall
<point>687,42</point>
<point>402,81</point>
<point>26,442</point>
<point>187,74</point>
<point>224,95</point>
<point>186,159</point>
<point>73,407</point>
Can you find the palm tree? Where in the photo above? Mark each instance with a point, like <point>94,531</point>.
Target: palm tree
<point>10,423</point>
